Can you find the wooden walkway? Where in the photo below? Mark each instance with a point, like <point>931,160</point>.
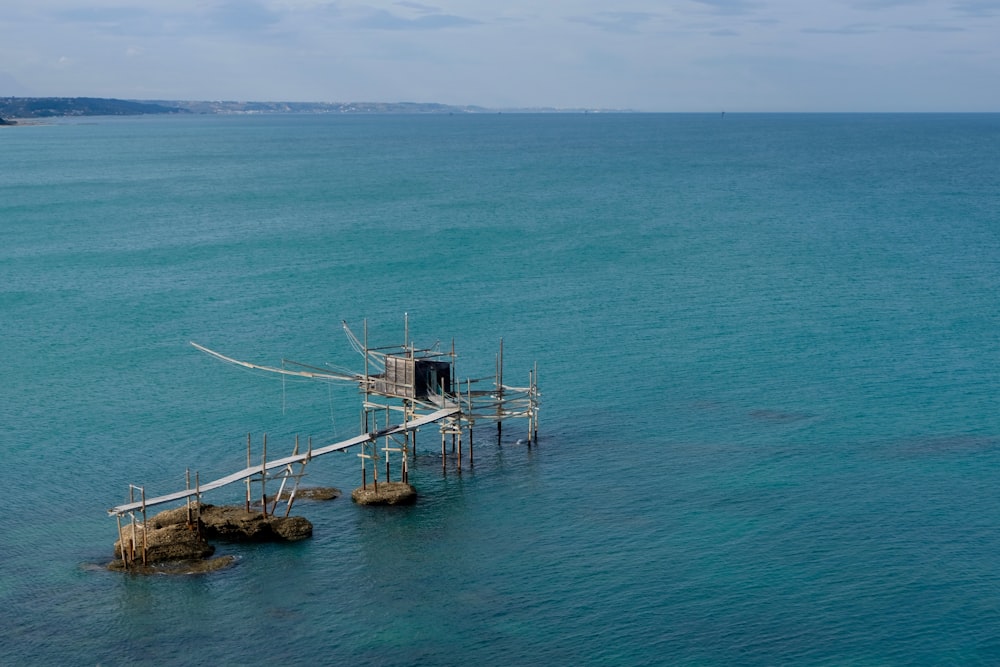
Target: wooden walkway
<point>288,460</point>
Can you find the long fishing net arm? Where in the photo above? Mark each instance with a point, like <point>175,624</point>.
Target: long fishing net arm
<point>315,373</point>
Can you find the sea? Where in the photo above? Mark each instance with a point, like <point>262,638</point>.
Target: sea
<point>767,349</point>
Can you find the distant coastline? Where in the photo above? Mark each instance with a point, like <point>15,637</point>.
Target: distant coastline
<point>55,107</point>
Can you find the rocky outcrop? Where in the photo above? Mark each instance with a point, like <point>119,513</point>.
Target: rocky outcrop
<point>175,545</point>
<point>310,493</point>
<point>175,542</point>
<point>235,524</point>
<point>388,493</point>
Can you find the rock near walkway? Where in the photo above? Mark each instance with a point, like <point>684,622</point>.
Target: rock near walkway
<point>169,538</point>
<point>387,493</point>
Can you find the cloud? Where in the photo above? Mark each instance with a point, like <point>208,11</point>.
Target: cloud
<point>242,16</point>
<point>984,8</point>
<point>730,6</point>
<point>418,7</point>
<point>885,4</point>
<point>930,27</point>
<point>854,29</point>
<point>112,20</point>
<point>621,22</point>
<point>428,19</point>
<point>100,14</point>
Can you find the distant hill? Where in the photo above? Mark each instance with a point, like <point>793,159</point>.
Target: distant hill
<point>230,107</point>
<point>48,107</point>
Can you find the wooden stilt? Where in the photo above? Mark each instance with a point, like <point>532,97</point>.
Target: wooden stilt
<point>197,493</point>
<point>263,479</point>
<point>284,480</point>
<point>121,542</point>
<point>145,540</point>
<point>385,446</point>
<point>534,401</point>
<point>500,392</point>
<point>131,499</point>
<point>470,419</point>
<point>248,479</point>
<point>187,486</point>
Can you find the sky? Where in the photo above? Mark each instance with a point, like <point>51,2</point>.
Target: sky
<point>643,55</point>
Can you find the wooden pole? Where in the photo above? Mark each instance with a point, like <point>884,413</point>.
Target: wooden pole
<point>121,542</point>
<point>531,411</point>
<point>197,487</point>
<point>131,499</point>
<point>406,437</point>
<point>142,491</point>
<point>500,392</point>
<point>302,472</point>
<point>534,400</point>
<point>529,408</point>
<point>263,479</point>
<point>413,436</point>
<point>187,487</point>
<point>468,389</point>
<point>248,479</point>
<point>366,367</point>
<point>288,472</point>
<point>375,463</point>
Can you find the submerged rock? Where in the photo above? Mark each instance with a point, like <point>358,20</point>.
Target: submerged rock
<point>177,566</point>
<point>310,493</point>
<point>388,493</point>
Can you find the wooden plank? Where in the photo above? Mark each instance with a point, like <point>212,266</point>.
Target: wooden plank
<point>288,460</point>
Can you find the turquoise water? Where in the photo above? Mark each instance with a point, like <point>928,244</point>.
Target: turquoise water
<point>767,346</point>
